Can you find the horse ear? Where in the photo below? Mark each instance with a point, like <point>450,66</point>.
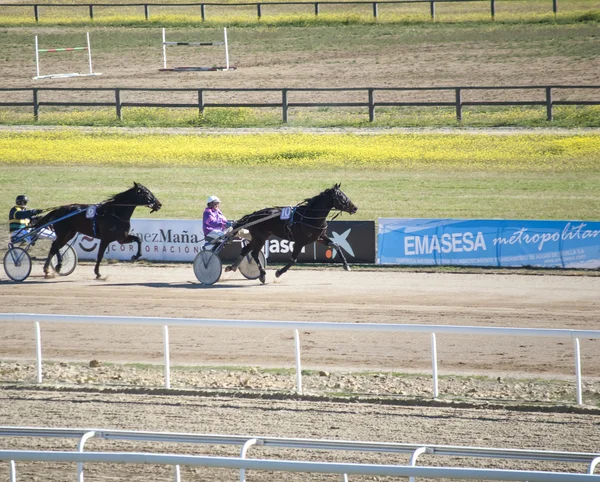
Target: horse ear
<point>135,184</point>
<point>338,185</point>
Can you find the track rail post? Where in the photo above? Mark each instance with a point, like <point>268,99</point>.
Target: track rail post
<point>458,97</point>
<point>578,371</point>
<point>434,365</point>
<point>38,352</point>
<point>80,446</point>
<point>284,105</point>
<point>167,356</point>
<point>36,105</point>
<point>118,104</point>
<point>298,364</point>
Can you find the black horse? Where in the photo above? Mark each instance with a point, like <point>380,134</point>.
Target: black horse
<point>307,224</point>
<point>107,221</point>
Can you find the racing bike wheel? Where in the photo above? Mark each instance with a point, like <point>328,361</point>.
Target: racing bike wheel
<point>17,264</point>
<point>207,267</point>
<point>249,268</point>
<point>69,261</point>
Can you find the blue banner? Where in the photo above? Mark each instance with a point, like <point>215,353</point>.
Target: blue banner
<point>488,242</point>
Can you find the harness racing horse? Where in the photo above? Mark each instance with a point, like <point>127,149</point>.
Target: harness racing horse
<point>108,221</point>
<point>307,224</point>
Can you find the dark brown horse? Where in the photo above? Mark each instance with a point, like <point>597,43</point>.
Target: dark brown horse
<point>107,221</point>
<point>307,223</point>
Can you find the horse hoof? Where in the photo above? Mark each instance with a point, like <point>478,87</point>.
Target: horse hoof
<point>277,274</point>
<point>229,268</point>
<point>262,278</point>
<point>347,268</point>
<point>135,257</point>
<point>48,275</point>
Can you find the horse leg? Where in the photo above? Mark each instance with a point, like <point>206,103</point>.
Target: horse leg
<point>245,250</point>
<point>54,250</point>
<point>103,244</point>
<point>261,268</point>
<point>59,257</point>
<point>295,253</point>
<point>327,241</point>
<point>134,239</point>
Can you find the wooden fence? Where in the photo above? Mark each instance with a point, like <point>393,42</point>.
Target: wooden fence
<point>370,103</point>
<point>257,5</point>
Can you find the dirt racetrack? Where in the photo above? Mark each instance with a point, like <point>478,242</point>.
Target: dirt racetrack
<point>384,296</point>
<point>375,296</point>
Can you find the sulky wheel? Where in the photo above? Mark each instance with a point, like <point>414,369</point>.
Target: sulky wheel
<point>249,268</point>
<point>69,261</point>
<point>207,267</point>
<point>17,264</point>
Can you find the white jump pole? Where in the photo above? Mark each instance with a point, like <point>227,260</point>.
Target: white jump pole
<point>226,48</point>
<point>37,58</point>
<point>89,49</point>
<point>164,45</point>
<point>225,43</point>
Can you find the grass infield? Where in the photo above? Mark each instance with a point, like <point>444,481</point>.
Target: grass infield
<point>521,176</point>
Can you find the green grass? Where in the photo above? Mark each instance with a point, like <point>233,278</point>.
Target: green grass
<point>563,117</point>
<point>456,176</point>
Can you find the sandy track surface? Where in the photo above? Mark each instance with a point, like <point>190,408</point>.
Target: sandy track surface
<point>283,418</point>
<point>381,296</point>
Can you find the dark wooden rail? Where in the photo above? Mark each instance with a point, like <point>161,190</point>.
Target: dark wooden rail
<point>257,5</point>
<point>545,99</point>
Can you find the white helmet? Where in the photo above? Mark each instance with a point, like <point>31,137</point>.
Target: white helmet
<point>213,199</point>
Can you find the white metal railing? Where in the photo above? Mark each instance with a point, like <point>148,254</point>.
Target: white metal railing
<point>433,330</point>
<point>246,442</point>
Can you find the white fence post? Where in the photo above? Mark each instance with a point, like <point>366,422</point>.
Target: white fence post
<point>298,366</point>
<point>434,365</point>
<point>13,472</point>
<point>82,442</point>
<point>167,361</point>
<point>578,371</point>
<point>244,451</point>
<point>38,351</point>
<point>413,459</point>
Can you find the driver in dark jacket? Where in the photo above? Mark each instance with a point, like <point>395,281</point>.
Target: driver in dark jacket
<point>19,218</point>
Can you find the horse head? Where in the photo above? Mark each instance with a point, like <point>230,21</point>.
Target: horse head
<point>341,202</point>
<point>144,197</point>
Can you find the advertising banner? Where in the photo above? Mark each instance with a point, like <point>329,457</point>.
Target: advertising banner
<point>181,240</point>
<point>486,242</point>
<point>355,238</point>
<point>162,240</point>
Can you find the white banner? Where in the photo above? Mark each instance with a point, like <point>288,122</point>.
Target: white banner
<point>162,240</point>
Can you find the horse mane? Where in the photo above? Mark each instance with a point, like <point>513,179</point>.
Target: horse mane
<point>116,197</point>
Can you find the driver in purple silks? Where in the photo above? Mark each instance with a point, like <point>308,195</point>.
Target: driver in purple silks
<point>214,223</point>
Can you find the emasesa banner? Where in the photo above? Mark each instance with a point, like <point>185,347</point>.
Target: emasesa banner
<point>487,242</point>
<point>181,240</point>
